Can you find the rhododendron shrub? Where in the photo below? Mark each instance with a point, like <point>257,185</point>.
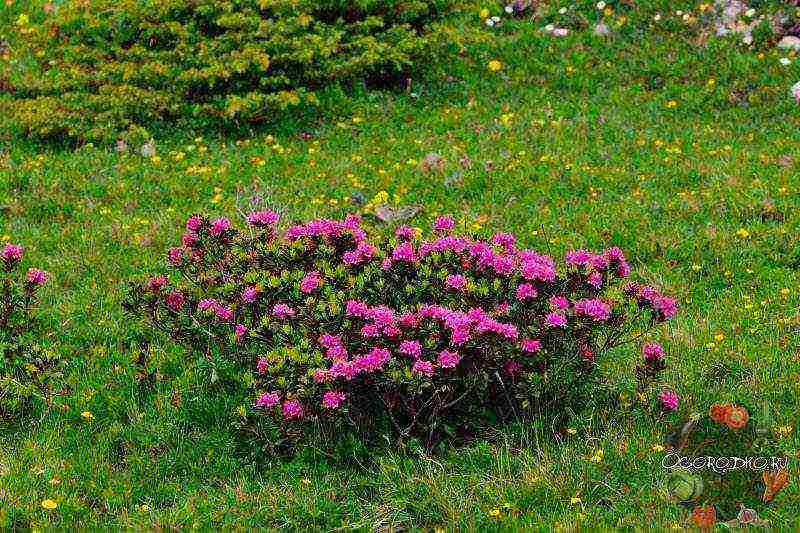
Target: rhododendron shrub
<point>24,367</point>
<point>424,336</point>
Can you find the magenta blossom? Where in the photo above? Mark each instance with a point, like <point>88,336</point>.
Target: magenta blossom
<point>405,233</point>
<point>448,359</point>
<point>11,254</point>
<point>526,291</point>
<point>175,255</point>
<point>250,294</point>
<point>555,320</point>
<point>332,399</point>
<point>594,308</point>
<point>262,366</point>
<point>292,409</point>
<point>531,345</point>
<point>282,310</point>
<point>652,351</point>
<point>175,300</point>
<point>412,348</point>
<point>268,399</point>
<point>669,400</point>
<point>311,282</point>
<point>220,226</point>
<point>239,331</point>
<point>456,282</point>
<point>262,219</point>
<point>444,223</point>
<point>194,223</point>
<point>422,368</point>
<point>404,252</point>
<point>154,284</point>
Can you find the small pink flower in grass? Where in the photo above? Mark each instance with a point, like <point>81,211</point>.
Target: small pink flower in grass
<point>795,91</point>
<point>332,399</point>
<point>11,254</point>
<point>578,257</point>
<point>268,399</point>
<point>456,282</point>
<point>531,345</point>
<point>220,226</point>
<point>175,300</point>
<point>37,277</point>
<point>555,320</point>
<point>595,279</point>
<point>652,351</point>
<point>526,291</point>
<point>448,359</point>
<point>669,400</point>
<point>282,310</point>
<point>311,282</point>
<point>250,294</point>
<point>175,255</point>
<point>239,331</point>
<point>194,223</point>
<point>154,284</point>
<point>262,219</point>
<point>422,368</point>
<point>444,223</point>
<point>292,409</point>
<point>412,348</point>
<point>262,366</point>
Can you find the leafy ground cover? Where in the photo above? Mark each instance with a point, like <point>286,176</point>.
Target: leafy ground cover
<point>679,147</point>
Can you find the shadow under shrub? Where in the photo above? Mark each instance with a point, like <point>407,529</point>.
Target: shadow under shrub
<point>26,368</point>
<point>102,67</point>
<point>334,331</point>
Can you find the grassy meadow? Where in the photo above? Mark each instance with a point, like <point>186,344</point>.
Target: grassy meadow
<point>683,151</point>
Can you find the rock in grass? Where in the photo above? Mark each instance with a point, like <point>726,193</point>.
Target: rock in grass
<point>790,42</point>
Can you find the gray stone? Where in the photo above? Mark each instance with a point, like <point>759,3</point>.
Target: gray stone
<point>790,42</point>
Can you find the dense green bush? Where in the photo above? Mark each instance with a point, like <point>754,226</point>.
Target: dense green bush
<point>335,331</point>
<point>103,66</point>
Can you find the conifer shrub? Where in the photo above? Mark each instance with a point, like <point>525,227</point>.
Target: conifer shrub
<point>102,67</point>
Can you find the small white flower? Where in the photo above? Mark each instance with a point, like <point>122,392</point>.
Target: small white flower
<point>562,11</point>
<point>785,61</point>
<point>509,9</point>
<point>549,28</point>
<point>496,19</point>
<point>795,91</point>
<point>657,17</point>
<point>560,32</point>
<point>489,22</point>
<point>601,5</point>
<point>679,13</point>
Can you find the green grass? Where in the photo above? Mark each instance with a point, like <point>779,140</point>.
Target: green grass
<point>572,144</point>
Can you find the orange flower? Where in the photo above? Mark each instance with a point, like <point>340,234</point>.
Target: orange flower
<point>704,517</point>
<point>719,412</point>
<point>737,417</point>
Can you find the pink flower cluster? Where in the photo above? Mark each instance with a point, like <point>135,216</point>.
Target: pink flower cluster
<point>664,307</point>
<point>395,315</point>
